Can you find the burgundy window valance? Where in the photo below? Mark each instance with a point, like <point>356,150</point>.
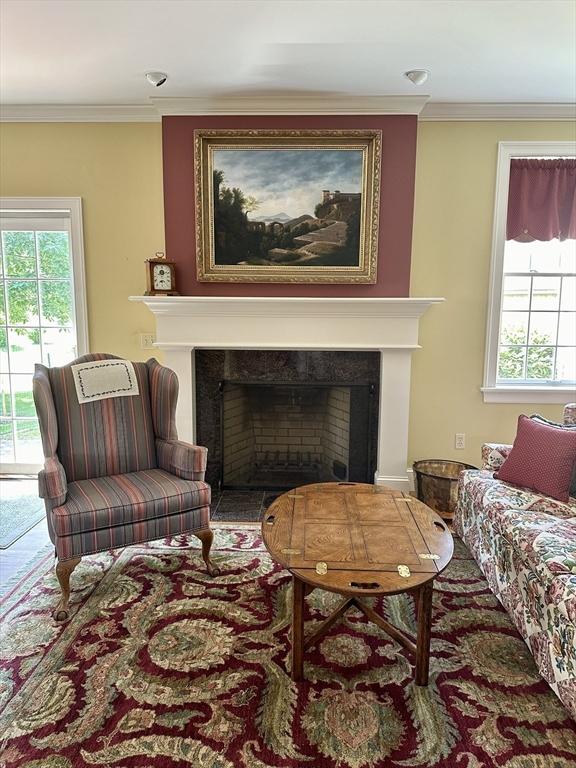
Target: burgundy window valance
<point>542,199</point>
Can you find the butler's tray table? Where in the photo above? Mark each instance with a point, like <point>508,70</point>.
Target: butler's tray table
<point>358,540</point>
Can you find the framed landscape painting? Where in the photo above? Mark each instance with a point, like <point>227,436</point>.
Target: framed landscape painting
<point>287,206</point>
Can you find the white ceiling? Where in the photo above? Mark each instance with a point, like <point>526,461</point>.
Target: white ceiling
<point>80,52</point>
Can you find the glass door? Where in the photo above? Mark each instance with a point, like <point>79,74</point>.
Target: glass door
<point>37,324</point>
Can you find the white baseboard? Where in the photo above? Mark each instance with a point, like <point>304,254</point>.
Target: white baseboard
<point>20,469</point>
<point>398,483</point>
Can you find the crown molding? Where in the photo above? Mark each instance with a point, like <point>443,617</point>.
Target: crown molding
<point>307,104</point>
<point>455,111</point>
<point>69,113</point>
<point>157,107</point>
<point>296,104</point>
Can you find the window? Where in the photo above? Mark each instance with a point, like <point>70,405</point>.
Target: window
<point>42,312</point>
<point>531,333</point>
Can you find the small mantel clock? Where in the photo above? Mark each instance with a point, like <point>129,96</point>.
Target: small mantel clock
<point>160,276</point>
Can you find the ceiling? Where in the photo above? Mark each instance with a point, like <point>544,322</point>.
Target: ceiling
<point>96,52</point>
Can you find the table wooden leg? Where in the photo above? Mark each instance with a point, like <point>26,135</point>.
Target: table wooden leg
<point>298,589</point>
<point>424,613</point>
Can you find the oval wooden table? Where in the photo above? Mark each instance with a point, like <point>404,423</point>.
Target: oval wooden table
<point>358,540</point>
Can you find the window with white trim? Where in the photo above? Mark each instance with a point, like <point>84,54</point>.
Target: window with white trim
<point>531,333</point>
<point>42,312</point>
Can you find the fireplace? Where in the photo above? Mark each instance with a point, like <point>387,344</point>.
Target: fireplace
<point>386,328</point>
<point>300,417</point>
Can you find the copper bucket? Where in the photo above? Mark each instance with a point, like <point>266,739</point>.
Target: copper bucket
<point>437,484</point>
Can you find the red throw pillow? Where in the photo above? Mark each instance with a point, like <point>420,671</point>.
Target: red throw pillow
<point>542,458</point>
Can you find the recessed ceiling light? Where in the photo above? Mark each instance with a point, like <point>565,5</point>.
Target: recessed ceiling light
<point>156,78</point>
<point>417,76</point>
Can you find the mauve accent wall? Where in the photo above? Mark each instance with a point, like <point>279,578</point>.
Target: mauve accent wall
<point>396,202</point>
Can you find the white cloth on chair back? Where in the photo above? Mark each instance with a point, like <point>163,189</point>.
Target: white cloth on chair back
<point>104,378</point>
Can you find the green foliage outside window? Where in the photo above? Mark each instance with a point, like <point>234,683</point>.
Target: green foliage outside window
<point>56,302</point>
<point>19,253</point>
<point>53,254</point>
<point>22,301</point>
<point>24,404</point>
<point>540,358</point>
<point>54,262</point>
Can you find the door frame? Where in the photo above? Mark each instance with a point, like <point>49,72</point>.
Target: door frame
<point>71,208</point>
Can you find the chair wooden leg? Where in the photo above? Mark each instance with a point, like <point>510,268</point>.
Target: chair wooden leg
<point>206,536</point>
<point>64,570</point>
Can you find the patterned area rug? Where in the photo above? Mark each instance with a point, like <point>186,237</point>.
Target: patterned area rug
<point>162,666</point>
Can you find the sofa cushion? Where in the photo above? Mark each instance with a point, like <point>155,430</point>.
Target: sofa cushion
<point>494,455</point>
<point>570,414</point>
<point>486,495</point>
<point>104,502</point>
<point>542,458</point>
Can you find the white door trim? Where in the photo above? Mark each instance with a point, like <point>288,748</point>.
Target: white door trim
<point>71,209</point>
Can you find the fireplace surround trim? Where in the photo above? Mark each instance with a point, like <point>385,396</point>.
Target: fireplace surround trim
<point>387,325</point>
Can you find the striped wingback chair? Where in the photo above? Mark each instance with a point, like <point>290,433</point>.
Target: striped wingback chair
<point>115,472</point>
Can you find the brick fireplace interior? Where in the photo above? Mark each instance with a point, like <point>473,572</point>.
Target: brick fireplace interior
<point>281,435</point>
<point>277,419</point>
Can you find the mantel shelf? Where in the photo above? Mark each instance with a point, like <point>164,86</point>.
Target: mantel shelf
<point>287,306</point>
<point>266,322</point>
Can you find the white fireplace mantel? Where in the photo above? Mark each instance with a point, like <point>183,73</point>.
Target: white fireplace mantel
<point>386,325</point>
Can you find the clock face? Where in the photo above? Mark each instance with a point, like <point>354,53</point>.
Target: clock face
<point>162,277</point>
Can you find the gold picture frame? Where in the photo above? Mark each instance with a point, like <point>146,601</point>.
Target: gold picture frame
<point>287,206</point>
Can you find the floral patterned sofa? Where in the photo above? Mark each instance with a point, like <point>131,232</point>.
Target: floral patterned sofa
<point>525,544</point>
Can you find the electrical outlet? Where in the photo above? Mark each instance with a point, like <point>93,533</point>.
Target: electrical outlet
<point>460,441</point>
<point>147,340</point>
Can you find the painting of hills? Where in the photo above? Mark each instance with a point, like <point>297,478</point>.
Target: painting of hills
<point>297,207</point>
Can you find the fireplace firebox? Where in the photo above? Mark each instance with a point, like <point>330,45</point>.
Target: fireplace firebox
<point>278,419</point>
<point>286,434</point>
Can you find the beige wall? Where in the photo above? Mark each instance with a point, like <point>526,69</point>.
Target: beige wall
<point>116,169</point>
<point>455,187</point>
